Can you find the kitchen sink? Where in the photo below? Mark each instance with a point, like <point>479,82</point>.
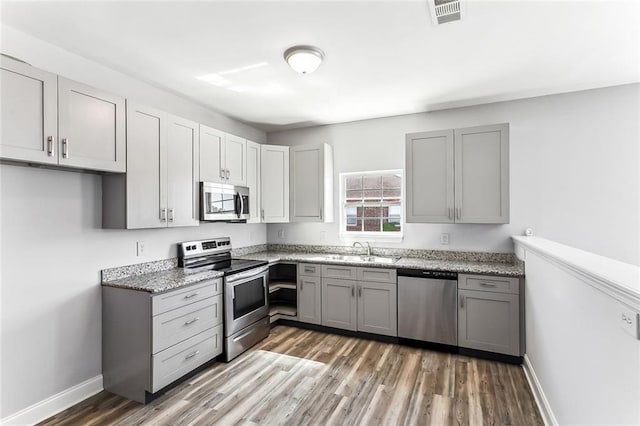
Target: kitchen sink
<point>357,259</point>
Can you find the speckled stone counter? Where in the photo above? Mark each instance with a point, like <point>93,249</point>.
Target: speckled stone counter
<point>511,269</point>
<point>154,277</point>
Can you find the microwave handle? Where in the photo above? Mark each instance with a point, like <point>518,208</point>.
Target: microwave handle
<point>238,205</point>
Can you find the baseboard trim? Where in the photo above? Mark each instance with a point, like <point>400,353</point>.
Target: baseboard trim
<point>538,394</point>
<point>56,403</point>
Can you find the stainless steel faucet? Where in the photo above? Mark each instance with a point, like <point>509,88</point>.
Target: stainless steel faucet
<point>358,243</point>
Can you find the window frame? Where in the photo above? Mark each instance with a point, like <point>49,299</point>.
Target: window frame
<point>368,235</point>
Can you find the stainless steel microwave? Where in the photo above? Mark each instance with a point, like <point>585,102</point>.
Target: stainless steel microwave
<point>221,202</point>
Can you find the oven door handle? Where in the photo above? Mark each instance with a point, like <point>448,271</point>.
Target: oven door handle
<point>250,274</point>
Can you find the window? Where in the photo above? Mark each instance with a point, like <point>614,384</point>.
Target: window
<point>371,203</point>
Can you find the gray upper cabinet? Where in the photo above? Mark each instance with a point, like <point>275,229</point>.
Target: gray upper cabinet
<point>222,157</point>
<point>482,174</point>
<point>160,188</point>
<point>28,104</point>
<point>309,297</point>
<point>312,183</point>
<point>52,120</point>
<point>91,127</point>
<point>458,176</point>
<point>489,318</point>
<point>253,181</point>
<point>274,181</point>
<point>430,176</point>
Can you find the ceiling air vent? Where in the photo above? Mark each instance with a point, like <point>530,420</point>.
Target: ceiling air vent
<point>444,11</point>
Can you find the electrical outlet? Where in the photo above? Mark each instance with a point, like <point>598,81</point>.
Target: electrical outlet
<point>629,322</point>
<point>140,248</point>
<point>281,234</point>
<point>444,238</point>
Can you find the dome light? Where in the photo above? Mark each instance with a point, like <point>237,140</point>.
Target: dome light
<point>304,59</point>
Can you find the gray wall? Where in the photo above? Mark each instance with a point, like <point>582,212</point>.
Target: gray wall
<point>53,247</point>
<point>574,171</point>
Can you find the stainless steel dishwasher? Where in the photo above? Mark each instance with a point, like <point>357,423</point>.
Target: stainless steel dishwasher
<point>427,306</point>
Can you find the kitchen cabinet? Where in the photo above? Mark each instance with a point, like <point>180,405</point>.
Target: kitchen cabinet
<point>368,304</point>
<point>274,181</point>
<point>253,181</point>
<point>489,315</point>
<point>48,119</point>
<point>312,183</point>
<point>339,304</point>
<point>150,341</point>
<point>458,176</point>
<point>160,188</point>
<point>222,157</point>
<point>309,298</point>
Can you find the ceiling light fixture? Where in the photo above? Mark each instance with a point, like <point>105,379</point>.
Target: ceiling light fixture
<point>304,59</point>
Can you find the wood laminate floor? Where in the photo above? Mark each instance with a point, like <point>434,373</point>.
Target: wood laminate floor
<point>299,377</point>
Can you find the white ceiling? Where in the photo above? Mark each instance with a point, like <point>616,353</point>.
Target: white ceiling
<point>382,58</point>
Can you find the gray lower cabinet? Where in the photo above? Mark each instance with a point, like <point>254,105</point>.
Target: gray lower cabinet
<point>149,341</point>
<point>368,304</point>
<point>489,316</point>
<point>339,304</point>
<point>309,298</point>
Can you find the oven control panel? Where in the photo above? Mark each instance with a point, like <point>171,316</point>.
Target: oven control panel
<point>189,249</point>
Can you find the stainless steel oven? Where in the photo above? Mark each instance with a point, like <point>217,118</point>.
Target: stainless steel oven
<point>221,202</point>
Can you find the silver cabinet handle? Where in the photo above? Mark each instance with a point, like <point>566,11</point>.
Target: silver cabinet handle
<point>458,212</point>
<point>301,285</point>
<point>262,214</point>
<point>461,301</point>
<point>359,291</point>
<point>450,211</point>
<point>353,291</point>
<point>221,173</point>
<point>191,321</point>
<point>189,296</point>
<point>163,215</point>
<point>192,354</point>
<point>227,174</point>
<point>50,143</point>
<point>486,284</point>
<point>170,215</point>
<point>65,148</point>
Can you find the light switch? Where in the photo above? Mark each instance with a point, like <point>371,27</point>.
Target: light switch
<point>444,238</point>
<point>281,234</point>
<point>140,248</point>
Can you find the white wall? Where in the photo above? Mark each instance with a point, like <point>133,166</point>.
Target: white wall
<point>53,247</point>
<point>574,170</point>
<point>587,367</point>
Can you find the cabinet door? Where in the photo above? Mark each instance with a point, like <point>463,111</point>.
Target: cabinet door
<point>430,177</point>
<point>339,304</point>
<point>182,172</point>
<point>275,183</point>
<point>29,113</point>
<point>91,127</point>
<point>482,174</point>
<point>489,321</point>
<point>307,183</point>
<point>146,167</point>
<point>212,155</point>
<point>309,296</point>
<point>253,181</point>
<point>236,160</point>
<point>377,308</point>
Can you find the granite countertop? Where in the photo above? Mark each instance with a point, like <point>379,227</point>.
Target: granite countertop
<point>461,266</point>
<point>161,281</point>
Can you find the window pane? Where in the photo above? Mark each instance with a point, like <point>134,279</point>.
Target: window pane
<point>351,216</point>
<point>355,228</point>
<point>372,194</point>
<point>391,181</point>
<point>395,211</point>
<point>354,195</point>
<point>372,212</point>
<point>391,193</point>
<point>372,225</point>
<point>372,182</point>
<point>354,182</point>
<point>390,226</point>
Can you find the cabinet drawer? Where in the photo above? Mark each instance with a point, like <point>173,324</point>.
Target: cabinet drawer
<point>184,296</point>
<point>377,275</point>
<point>173,363</point>
<point>338,272</point>
<point>180,324</point>
<point>309,270</point>
<point>489,283</point>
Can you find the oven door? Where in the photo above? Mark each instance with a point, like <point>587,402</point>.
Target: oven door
<point>246,299</point>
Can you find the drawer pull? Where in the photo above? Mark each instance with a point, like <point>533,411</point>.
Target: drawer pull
<point>189,296</point>
<point>486,284</point>
<point>192,354</point>
<point>191,321</point>
<point>310,270</point>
